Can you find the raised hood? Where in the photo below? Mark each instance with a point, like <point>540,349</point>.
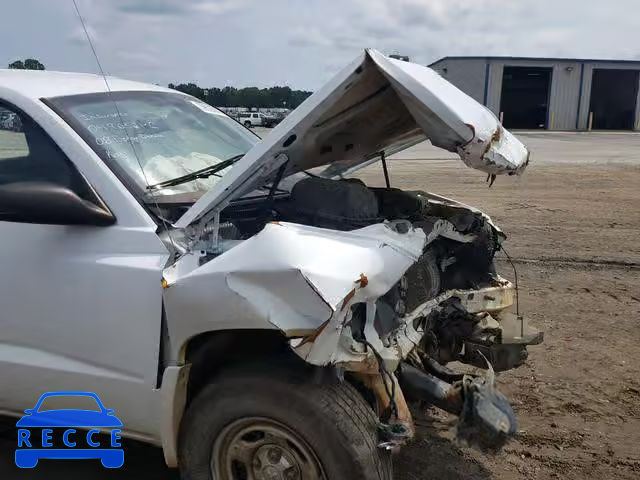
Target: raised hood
<point>374,105</point>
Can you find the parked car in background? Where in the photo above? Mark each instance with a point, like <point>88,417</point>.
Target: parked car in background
<point>272,119</point>
<point>252,119</point>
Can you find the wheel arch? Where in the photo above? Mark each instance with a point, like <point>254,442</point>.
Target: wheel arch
<point>204,356</point>
<point>209,353</point>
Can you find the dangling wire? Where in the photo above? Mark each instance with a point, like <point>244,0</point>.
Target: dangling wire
<point>391,393</point>
<point>167,225</point>
<point>515,274</point>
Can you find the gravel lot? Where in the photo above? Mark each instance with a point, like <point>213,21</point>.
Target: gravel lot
<point>574,225</point>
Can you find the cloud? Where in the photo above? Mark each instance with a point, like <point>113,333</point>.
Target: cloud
<point>173,7</point>
<point>153,7</point>
<point>303,42</point>
<point>418,28</point>
<point>218,7</point>
<point>79,37</point>
<point>307,37</point>
<point>145,60</point>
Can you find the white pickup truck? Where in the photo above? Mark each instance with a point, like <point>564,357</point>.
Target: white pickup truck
<point>251,318</point>
<point>252,119</point>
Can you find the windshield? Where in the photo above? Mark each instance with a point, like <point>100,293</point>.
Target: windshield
<point>152,138</point>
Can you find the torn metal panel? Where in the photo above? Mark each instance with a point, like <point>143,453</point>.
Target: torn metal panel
<point>375,105</point>
<point>444,228</point>
<point>446,115</point>
<point>434,198</point>
<point>489,299</point>
<point>292,277</point>
<point>494,152</point>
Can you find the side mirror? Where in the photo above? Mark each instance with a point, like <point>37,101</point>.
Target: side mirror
<point>28,411</point>
<point>48,203</point>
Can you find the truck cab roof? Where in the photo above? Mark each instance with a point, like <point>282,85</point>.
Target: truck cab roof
<point>36,84</point>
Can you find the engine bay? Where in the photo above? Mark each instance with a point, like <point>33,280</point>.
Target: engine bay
<point>458,256</point>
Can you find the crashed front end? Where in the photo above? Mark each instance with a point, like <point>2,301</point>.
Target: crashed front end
<point>388,305</point>
<point>424,293</point>
<point>383,285</point>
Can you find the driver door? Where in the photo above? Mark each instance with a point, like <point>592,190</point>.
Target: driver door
<point>80,305</point>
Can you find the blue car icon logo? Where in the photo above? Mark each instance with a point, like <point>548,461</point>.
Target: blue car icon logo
<point>73,427</point>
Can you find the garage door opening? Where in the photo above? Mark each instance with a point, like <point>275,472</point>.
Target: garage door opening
<point>525,97</point>
<point>613,99</point>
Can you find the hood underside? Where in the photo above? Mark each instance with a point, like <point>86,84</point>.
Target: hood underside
<point>375,105</point>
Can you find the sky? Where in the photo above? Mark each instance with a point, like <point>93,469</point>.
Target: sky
<point>302,43</point>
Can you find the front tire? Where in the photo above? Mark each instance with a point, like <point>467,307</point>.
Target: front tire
<point>263,425</point>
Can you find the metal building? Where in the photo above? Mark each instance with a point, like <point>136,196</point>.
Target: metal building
<point>551,93</point>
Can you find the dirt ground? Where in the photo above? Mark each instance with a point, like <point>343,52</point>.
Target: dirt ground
<point>574,233</point>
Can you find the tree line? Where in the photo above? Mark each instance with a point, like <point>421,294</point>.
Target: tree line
<point>26,64</point>
<point>272,97</point>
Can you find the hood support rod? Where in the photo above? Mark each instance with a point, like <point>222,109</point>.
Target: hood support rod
<point>272,191</point>
<point>383,158</point>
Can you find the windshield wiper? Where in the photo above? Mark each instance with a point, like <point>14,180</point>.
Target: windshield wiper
<point>202,173</point>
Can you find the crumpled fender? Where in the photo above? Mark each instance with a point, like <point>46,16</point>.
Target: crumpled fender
<point>299,279</point>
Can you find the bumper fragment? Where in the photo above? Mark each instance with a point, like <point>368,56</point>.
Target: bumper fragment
<point>486,419</point>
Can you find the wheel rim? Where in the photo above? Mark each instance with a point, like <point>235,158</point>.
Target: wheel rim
<point>259,448</point>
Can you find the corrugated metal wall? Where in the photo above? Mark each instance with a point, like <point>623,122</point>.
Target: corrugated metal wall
<point>495,86</point>
<point>469,74</point>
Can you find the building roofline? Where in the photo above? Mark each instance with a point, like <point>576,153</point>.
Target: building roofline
<point>539,59</point>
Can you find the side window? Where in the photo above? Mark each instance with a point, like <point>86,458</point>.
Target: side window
<point>27,154</point>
